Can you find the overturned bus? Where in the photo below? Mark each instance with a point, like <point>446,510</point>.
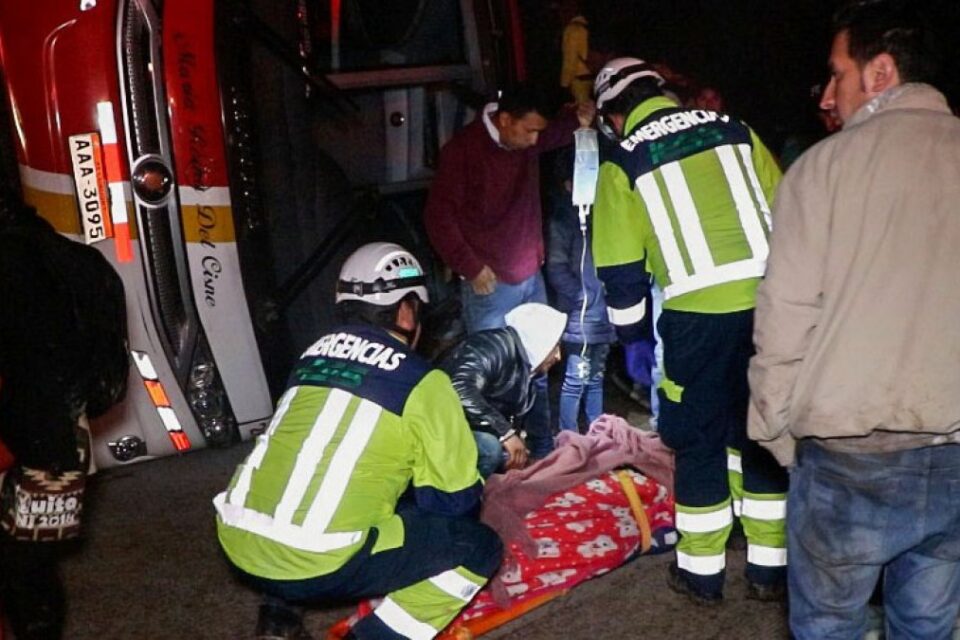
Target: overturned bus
<point>224,155</point>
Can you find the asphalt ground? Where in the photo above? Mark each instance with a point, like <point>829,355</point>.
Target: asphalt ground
<point>150,567</point>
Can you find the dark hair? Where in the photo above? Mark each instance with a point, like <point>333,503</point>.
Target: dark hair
<point>520,99</point>
<point>357,312</point>
<point>638,91</point>
<point>893,27</point>
<point>13,210</point>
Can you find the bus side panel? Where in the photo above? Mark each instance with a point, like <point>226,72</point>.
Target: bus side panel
<point>201,167</point>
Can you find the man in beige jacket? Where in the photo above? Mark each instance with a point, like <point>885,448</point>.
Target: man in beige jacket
<point>856,381</point>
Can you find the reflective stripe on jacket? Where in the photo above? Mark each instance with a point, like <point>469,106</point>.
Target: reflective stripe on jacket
<point>363,419</point>
<point>686,195</point>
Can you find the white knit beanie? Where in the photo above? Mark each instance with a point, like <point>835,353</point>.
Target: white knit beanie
<point>539,327</point>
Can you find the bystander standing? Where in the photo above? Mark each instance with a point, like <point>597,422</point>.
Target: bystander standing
<point>579,294</point>
<point>63,358</point>
<point>854,385</point>
<point>484,218</point>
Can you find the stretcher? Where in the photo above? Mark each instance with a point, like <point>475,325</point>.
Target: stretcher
<point>580,533</point>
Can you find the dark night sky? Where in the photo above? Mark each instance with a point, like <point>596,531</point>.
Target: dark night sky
<point>763,55</point>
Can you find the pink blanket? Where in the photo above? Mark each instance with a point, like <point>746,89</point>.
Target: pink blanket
<point>611,442</point>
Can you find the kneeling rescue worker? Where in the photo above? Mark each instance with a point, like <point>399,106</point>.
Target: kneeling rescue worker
<point>321,511</point>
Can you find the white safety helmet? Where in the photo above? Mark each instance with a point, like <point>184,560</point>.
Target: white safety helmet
<point>614,77</point>
<point>620,73</point>
<point>381,273</point>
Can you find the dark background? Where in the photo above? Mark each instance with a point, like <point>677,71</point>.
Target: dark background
<point>763,55</point>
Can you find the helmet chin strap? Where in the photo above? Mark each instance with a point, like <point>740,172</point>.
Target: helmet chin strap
<point>406,334</point>
<point>603,124</point>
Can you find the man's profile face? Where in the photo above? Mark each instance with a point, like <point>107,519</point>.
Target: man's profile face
<point>845,92</point>
<point>520,133</point>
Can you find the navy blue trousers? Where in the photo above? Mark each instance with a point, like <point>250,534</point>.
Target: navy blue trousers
<point>707,356</point>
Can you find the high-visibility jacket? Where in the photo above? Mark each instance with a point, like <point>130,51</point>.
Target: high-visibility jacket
<point>684,196</point>
<point>363,418</point>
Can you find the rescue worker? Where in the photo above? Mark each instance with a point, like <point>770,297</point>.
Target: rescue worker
<point>314,514</point>
<point>495,372</point>
<point>685,195</point>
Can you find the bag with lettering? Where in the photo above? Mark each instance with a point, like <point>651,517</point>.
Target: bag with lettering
<point>38,505</point>
<point>42,506</point>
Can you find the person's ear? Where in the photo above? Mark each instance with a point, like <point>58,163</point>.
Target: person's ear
<point>880,74</point>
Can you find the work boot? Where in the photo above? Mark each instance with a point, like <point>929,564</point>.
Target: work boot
<point>776,592</point>
<point>679,584</point>
<point>277,622</point>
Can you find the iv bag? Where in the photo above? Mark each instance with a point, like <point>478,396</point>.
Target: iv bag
<point>586,166</point>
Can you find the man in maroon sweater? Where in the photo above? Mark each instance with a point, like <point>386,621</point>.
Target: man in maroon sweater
<point>483,216</point>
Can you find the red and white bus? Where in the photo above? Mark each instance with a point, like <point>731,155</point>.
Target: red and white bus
<point>222,155</point>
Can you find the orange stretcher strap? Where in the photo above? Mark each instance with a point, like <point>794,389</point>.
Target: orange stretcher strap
<point>636,506</point>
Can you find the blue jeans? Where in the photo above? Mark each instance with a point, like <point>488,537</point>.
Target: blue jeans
<point>853,516</point>
<point>575,388</point>
<point>491,456</point>
<point>487,312</point>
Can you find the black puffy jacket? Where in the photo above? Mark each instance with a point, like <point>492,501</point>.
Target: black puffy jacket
<point>63,340</point>
<point>491,374</point>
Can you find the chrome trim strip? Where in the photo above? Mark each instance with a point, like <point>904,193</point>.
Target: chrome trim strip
<point>182,352</point>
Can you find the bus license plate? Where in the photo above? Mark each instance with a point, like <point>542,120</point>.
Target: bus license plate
<point>91,182</point>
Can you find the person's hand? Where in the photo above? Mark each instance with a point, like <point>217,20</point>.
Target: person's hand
<point>586,112</point>
<point>516,450</point>
<point>485,282</point>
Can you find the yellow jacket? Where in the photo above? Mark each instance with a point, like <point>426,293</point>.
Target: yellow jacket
<point>575,48</point>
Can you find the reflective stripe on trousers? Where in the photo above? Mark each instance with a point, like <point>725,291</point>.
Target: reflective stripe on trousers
<point>703,532</point>
<point>422,610</point>
<point>735,477</point>
<point>763,517</point>
<point>764,523</point>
